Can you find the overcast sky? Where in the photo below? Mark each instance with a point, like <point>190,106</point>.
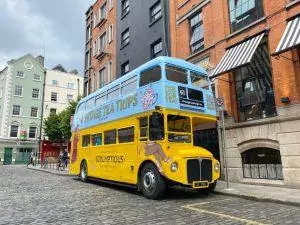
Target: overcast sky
<point>25,25</point>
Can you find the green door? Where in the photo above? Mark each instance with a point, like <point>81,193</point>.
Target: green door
<point>7,156</point>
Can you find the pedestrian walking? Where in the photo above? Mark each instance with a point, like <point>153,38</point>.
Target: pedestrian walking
<point>65,157</point>
<point>31,157</point>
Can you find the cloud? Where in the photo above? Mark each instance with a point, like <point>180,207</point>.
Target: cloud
<point>32,26</point>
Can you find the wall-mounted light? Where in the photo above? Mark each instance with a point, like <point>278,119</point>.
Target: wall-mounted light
<point>285,100</point>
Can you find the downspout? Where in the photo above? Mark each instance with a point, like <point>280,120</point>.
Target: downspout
<point>165,26</point>
<point>42,115</point>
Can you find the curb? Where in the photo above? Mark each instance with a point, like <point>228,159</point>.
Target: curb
<point>258,198</point>
<point>51,172</point>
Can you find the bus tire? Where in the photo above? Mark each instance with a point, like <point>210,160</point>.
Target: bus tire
<point>152,183</point>
<point>83,172</point>
<point>208,190</point>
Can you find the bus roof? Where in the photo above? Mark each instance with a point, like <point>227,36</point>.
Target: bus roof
<point>157,61</point>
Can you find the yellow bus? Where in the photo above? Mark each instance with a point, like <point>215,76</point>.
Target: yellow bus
<point>138,130</point>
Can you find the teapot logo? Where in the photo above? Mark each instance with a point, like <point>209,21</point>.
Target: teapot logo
<point>150,98</point>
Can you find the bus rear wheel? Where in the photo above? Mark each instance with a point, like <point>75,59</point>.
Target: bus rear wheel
<point>152,183</point>
<point>83,172</point>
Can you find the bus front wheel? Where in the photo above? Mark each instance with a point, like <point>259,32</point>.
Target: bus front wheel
<point>152,183</point>
<point>83,171</point>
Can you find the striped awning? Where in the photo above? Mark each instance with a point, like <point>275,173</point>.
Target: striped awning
<point>237,56</point>
<point>291,36</point>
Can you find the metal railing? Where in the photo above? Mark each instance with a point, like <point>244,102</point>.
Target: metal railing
<point>53,163</point>
<point>263,171</point>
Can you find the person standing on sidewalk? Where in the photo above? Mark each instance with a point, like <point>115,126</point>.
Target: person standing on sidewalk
<point>65,157</point>
<point>30,161</point>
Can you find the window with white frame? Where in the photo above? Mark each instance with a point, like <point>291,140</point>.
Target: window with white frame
<point>125,7</point>
<point>32,132</point>
<point>34,112</point>
<point>156,48</point>
<point>155,12</point>
<point>102,78</point>
<point>53,96</point>
<point>18,90</point>
<point>103,11</point>
<point>71,85</point>
<point>16,110</point>
<point>110,33</point>
<point>102,42</point>
<point>96,19</point>
<point>37,77</point>
<point>35,93</point>
<point>125,37</point>
<point>95,47</point>
<point>20,74</point>
<point>69,97</point>
<point>14,129</point>
<point>125,68</point>
<point>54,82</point>
<point>197,33</point>
<point>110,4</point>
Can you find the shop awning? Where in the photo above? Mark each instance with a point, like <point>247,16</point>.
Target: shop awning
<point>237,56</point>
<point>291,36</point>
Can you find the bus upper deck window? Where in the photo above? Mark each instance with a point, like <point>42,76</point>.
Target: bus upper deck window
<point>199,80</point>
<point>156,131</point>
<point>90,103</point>
<point>81,107</point>
<point>150,76</point>
<point>176,74</point>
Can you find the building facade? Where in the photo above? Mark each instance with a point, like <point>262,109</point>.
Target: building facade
<point>142,32</point>
<point>21,91</point>
<point>100,55</point>
<point>60,89</point>
<point>251,50</point>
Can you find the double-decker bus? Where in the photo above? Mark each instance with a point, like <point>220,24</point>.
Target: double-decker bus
<point>138,129</point>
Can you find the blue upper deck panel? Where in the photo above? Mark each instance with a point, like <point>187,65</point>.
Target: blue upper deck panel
<point>163,81</point>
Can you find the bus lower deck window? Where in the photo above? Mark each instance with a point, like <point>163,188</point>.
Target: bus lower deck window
<point>156,131</point>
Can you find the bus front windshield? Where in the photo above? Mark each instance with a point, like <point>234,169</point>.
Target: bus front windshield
<point>179,129</point>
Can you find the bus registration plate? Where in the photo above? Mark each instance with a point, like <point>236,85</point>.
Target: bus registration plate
<point>200,184</point>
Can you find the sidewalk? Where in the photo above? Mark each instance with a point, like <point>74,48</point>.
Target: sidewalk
<point>50,170</point>
<point>261,193</point>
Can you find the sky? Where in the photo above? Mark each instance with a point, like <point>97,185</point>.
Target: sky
<point>30,26</point>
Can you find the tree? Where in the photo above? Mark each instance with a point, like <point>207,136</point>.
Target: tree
<point>52,127</point>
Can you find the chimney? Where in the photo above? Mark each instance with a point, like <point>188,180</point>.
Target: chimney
<point>40,59</point>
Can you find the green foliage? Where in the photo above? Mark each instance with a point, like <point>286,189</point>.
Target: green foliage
<point>57,126</point>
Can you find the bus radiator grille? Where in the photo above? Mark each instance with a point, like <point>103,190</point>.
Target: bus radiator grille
<point>199,170</point>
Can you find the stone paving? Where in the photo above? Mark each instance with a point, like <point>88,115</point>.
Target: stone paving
<point>34,197</point>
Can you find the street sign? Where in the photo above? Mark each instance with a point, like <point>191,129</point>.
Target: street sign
<point>220,104</point>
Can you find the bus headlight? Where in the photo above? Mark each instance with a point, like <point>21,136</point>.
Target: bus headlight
<point>174,167</point>
<point>217,167</point>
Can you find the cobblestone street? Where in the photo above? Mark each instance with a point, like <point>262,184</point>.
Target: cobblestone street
<point>34,197</point>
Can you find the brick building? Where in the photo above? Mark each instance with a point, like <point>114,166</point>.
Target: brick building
<point>251,49</point>
<point>100,55</point>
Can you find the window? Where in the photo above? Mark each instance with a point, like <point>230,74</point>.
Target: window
<point>95,48</point>
<point>155,12</point>
<point>156,131</point>
<point>20,74</point>
<point>113,93</point>
<point>156,49</point>
<point>125,68</point>
<point>90,103</point>
<point>96,139</point>
<point>110,4</point>
<point>149,76</point>
<point>71,85</point>
<point>102,42</point>
<point>18,90</point>
<point>125,37</point>
<point>244,12</point>
<point>110,33</point>
<point>32,132</point>
<point>109,72</point>
<point>103,11</point>
<point>85,140</point>
<point>129,85</point>
<point>69,97</point>
<point>37,77</point>
<point>144,128</point>
<point>110,137</point>
<point>1,92</point>
<point>199,80</point>
<point>176,74</point>
<point>126,135</point>
<point>81,107</point>
<point>53,97</point>
<point>35,93</point>
<point>100,99</point>
<point>52,111</point>
<point>197,33</point>
<point>101,78</point>
<point>96,19</point>
<point>254,88</point>
<point>125,7</point>
<point>88,33</point>
<point>14,130</point>
<point>34,112</point>
<point>54,82</point>
<point>179,128</point>
<point>16,110</point>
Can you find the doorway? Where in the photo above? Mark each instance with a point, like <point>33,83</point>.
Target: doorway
<point>7,156</point>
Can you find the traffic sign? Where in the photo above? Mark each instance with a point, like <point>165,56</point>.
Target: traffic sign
<point>220,101</point>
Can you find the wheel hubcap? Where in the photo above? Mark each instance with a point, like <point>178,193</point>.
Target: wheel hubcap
<point>149,181</point>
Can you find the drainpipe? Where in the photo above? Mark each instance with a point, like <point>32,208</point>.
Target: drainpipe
<point>165,26</point>
<point>42,115</point>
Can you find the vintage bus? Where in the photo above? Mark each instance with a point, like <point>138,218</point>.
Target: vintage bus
<point>138,129</point>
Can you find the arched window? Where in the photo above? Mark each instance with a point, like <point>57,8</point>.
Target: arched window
<point>262,163</point>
